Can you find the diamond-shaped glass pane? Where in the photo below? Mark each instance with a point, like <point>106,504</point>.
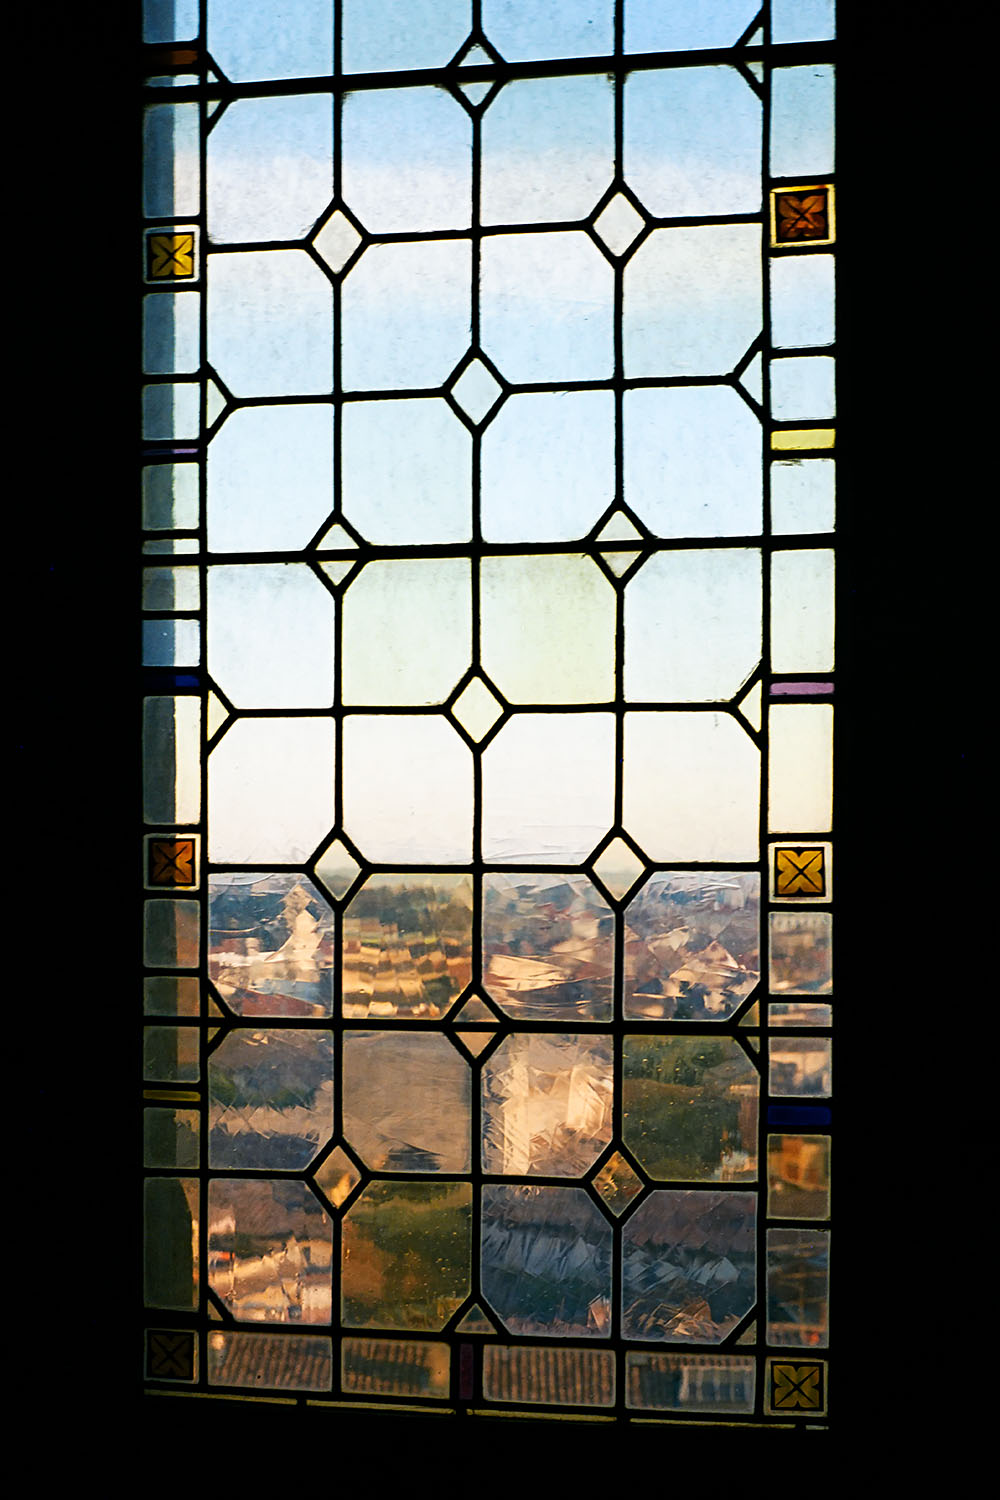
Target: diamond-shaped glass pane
<point>337,569</point>
<point>618,868</point>
<point>475,1041</point>
<point>620,562</point>
<point>618,225</point>
<point>476,709</point>
<point>476,391</point>
<point>475,57</point>
<point>337,241</point>
<point>337,869</point>
<point>617,1184</point>
<point>618,528</point>
<point>338,540</point>
<point>475,92</point>
<point>337,1177</point>
<point>475,1321</point>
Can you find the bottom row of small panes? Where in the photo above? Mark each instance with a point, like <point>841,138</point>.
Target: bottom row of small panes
<point>419,1369</point>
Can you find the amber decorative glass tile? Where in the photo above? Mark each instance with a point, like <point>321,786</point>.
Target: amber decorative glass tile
<point>170,256</point>
<point>337,1177</point>
<point>800,872</point>
<point>172,862</point>
<point>798,1176</point>
<point>617,1184</point>
<point>802,215</point>
<point>170,1354</point>
<point>798,1387</point>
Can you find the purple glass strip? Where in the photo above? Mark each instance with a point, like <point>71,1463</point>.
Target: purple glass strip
<point>171,450</point>
<point>801,689</point>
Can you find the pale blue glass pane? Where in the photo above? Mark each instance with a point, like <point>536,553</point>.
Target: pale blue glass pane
<point>270,478</point>
<point>548,149</point>
<point>522,30</point>
<point>692,461</point>
<point>406,157</point>
<point>271,635</point>
<point>169,20</point>
<point>406,471</point>
<point>383,35</point>
<point>707,605</point>
<point>171,411</point>
<point>693,141</point>
<point>546,308</point>
<point>803,20</point>
<point>803,495</point>
<point>270,323</point>
<point>171,643</point>
<point>802,121</point>
<point>803,389</point>
<point>171,179</point>
<point>548,466</point>
<point>679,25</point>
<point>171,333</point>
<point>407,631</point>
<point>269,171</point>
<point>252,39</point>
<point>802,301</point>
<point>692,300</point>
<point>406,315</point>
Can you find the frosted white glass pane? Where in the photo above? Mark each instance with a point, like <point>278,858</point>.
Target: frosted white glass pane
<point>406,315</point>
<point>692,786</point>
<point>270,791</point>
<point>548,629</point>
<point>406,471</point>
<point>546,307</point>
<point>407,631</point>
<point>692,461</point>
<point>385,35</point>
<point>406,159</point>
<point>252,39</point>
<point>692,300</point>
<point>270,323</point>
<point>802,121</point>
<point>692,625</point>
<point>269,171</point>
<point>679,25</point>
<point>548,466</point>
<point>802,612</point>
<point>271,635</point>
<point>407,788</point>
<point>803,497</point>
<point>800,797</point>
<point>802,301</point>
<point>171,179</point>
<point>522,30</point>
<point>171,333</point>
<point>548,788</point>
<point>693,141</point>
<point>270,478</point>
<point>803,389</point>
<point>548,149</point>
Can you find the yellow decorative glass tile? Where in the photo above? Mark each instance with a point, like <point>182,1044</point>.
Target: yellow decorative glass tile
<point>800,872</point>
<point>172,862</point>
<point>798,1387</point>
<point>804,437</point>
<point>170,257</point>
<point>802,216</point>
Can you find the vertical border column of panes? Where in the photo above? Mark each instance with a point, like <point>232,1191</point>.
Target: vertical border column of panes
<point>170,276</point>
<point>802,350</point>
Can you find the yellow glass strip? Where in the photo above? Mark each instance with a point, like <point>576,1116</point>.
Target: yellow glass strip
<point>804,437</point>
<point>431,1411</point>
<point>748,1426</point>
<point>173,1096</point>
<point>538,1416</point>
<point>224,1396</point>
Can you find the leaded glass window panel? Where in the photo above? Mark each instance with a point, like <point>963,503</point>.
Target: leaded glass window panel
<point>488,493</point>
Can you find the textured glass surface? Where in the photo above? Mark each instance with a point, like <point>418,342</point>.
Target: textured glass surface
<point>801,1066</point>
<point>407,1098</point>
<point>690,1382</point>
<point>270,1098</point>
<point>302,1362</point>
<point>547,1104</point>
<point>546,1261</point>
<point>798,1270</point>
<point>407,946</point>
<point>692,786</point>
<point>690,1108</point>
<point>798,1176</point>
<point>801,952</point>
<point>547,788</point>
<point>270,945</point>
<point>548,947</point>
<point>171,934</point>
<point>270,1249</point>
<point>396,1367</point>
<point>617,1184</point>
<point>692,945</point>
<point>689,1266</point>
<point>564,1377</point>
<point>171,1137</point>
<point>406,1254</point>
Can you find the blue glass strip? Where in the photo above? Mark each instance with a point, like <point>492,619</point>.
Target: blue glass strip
<point>795,1116</point>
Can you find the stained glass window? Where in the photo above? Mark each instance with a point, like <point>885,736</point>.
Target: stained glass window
<point>488,500</point>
